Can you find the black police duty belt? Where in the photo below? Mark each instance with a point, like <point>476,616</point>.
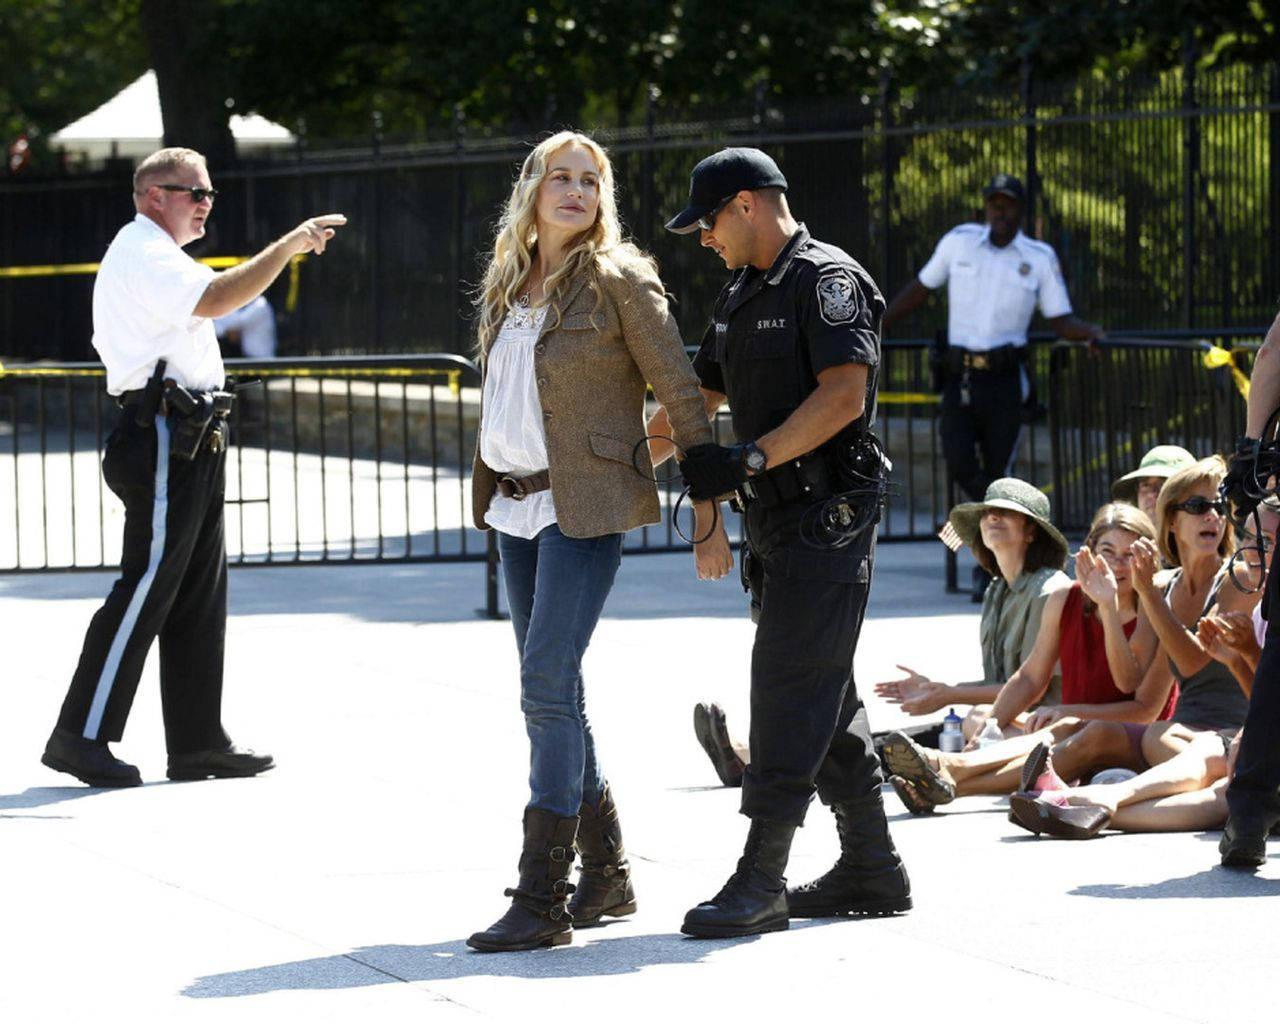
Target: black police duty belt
<point>996,360</point>
<point>801,480</point>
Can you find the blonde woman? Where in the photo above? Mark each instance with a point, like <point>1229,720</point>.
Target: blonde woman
<point>573,322</point>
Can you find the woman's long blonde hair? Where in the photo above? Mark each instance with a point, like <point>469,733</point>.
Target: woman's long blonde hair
<point>516,238</point>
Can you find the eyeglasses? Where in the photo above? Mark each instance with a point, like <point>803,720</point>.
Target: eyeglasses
<point>198,195</point>
<point>1198,506</point>
<point>708,220</point>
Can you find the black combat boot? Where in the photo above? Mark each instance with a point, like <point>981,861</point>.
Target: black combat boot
<point>604,885</point>
<point>538,915</point>
<point>869,877</point>
<point>754,899</point>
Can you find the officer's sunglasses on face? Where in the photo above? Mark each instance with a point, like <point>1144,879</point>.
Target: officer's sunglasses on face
<point>198,195</point>
<point>708,221</point>
<point>1198,506</point>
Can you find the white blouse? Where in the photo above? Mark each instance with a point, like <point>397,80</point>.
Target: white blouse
<point>512,439</point>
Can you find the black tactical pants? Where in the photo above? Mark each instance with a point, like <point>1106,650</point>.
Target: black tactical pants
<point>808,726</point>
<point>1254,793</point>
<point>172,585</point>
<point>981,423</point>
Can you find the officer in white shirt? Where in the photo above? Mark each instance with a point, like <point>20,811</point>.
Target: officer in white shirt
<point>153,304</point>
<point>995,276</point>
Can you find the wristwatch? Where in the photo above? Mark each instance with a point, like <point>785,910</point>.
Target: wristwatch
<point>753,458</point>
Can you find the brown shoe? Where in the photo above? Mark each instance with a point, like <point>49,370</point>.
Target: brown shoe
<point>713,734</point>
<point>1072,821</point>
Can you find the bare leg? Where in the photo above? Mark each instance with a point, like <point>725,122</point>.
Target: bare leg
<point>1200,764</point>
<point>1097,745</point>
<point>1182,812</point>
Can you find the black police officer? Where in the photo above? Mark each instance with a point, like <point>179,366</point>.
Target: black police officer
<point>794,345</point>
<point>1253,797</point>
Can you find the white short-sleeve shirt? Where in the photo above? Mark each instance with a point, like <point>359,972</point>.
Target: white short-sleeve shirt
<point>992,291</point>
<point>143,299</point>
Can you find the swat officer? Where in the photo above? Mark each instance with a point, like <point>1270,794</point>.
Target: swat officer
<point>794,345</point>
<point>152,325</point>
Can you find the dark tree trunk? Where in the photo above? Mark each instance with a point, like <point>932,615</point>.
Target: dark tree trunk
<point>182,37</point>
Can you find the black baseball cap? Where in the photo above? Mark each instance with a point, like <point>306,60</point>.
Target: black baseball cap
<point>724,174</point>
<point>1004,185</point>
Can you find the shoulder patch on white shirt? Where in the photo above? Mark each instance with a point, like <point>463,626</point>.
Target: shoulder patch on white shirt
<point>836,297</point>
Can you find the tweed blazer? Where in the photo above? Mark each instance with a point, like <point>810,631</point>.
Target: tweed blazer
<point>614,334</point>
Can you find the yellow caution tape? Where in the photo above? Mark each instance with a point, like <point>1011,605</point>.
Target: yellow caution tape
<point>907,398</point>
<point>1218,357</point>
<point>217,262</point>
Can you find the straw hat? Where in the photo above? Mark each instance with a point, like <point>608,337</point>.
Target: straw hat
<point>1016,496</point>
<point>1163,461</point>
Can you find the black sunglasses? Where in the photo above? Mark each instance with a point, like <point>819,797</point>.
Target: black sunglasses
<point>708,220</point>
<point>198,195</point>
<point>1198,506</point>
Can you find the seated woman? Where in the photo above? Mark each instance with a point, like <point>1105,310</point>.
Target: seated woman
<point>1186,793</point>
<point>1087,630</point>
<point>1011,537</point>
<point>1142,486</point>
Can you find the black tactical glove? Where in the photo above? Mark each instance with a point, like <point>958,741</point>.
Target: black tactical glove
<point>710,470</point>
<point>1241,478</point>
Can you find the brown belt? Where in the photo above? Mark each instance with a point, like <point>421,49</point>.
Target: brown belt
<point>521,487</point>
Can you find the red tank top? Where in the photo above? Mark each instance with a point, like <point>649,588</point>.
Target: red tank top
<point>1086,676</point>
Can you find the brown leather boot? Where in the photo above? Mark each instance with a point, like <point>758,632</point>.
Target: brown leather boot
<point>604,882</point>
<point>538,915</point>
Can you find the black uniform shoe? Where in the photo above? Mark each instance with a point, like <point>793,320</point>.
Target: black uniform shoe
<point>869,878</point>
<point>232,763</point>
<point>604,886</point>
<point>539,914</point>
<point>754,900</point>
<point>89,761</point>
<point>1244,843</point>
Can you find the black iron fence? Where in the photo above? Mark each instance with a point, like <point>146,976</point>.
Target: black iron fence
<point>1159,195</point>
<point>367,460</point>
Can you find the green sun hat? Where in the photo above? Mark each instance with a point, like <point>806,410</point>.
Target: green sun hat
<point>1163,461</point>
<point>1016,496</point>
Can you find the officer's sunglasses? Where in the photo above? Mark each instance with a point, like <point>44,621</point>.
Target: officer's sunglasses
<point>198,195</point>
<point>708,220</point>
<point>1198,506</point>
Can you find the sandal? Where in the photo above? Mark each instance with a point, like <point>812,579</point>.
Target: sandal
<point>1033,767</point>
<point>911,798</point>
<point>905,757</point>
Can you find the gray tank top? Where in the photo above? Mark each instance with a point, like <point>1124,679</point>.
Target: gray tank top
<point>1211,697</point>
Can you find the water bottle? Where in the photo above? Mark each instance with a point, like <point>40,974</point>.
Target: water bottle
<point>990,733</point>
<point>951,740</point>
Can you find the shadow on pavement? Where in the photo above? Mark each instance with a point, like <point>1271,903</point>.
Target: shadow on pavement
<point>43,796</point>
<point>444,961</point>
<point>1213,883</point>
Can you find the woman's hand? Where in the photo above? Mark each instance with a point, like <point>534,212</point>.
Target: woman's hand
<point>918,694</point>
<point>1096,578</point>
<point>1229,635</point>
<point>713,558</point>
<point>1145,565</point>
<point>1042,718</point>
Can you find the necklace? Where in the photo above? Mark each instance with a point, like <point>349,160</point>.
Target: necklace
<point>522,316</point>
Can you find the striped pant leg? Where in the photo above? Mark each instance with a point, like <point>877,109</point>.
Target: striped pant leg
<point>164,503</point>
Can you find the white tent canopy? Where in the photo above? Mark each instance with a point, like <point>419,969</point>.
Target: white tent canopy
<point>130,125</point>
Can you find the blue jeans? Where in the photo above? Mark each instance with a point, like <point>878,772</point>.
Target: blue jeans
<point>556,588</point>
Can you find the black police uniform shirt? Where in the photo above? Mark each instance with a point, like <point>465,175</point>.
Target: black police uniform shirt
<point>774,331</point>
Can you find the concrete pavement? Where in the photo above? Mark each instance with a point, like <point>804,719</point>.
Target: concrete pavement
<point>340,885</point>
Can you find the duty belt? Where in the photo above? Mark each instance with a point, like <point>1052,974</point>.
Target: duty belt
<point>521,487</point>
<point>804,479</point>
<point>996,360</point>
<point>221,410</point>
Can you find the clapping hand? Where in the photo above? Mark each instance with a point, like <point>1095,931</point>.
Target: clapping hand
<point>1096,578</point>
<point>918,694</point>
<point>1145,565</point>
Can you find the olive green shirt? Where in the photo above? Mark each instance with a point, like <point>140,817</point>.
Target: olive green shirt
<point>1010,623</point>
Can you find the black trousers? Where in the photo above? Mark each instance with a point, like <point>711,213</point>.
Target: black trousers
<point>809,728</point>
<point>979,436</point>
<point>1254,792</point>
<point>172,585</point>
